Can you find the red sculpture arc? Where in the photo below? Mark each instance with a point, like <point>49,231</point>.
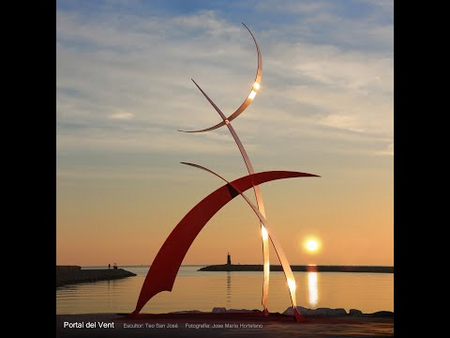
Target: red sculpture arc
<point>163,271</point>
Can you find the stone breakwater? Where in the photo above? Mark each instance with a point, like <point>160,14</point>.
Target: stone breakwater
<point>306,268</point>
<point>339,312</point>
<point>66,277</point>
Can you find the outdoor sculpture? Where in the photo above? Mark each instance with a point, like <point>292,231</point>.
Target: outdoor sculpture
<point>162,273</point>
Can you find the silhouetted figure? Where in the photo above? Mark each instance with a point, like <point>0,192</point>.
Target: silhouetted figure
<point>228,259</point>
<point>109,266</point>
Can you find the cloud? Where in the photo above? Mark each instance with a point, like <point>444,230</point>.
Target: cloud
<point>389,150</point>
<point>122,115</point>
<point>348,122</point>
<point>124,80</point>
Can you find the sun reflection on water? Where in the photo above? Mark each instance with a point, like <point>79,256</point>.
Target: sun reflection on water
<point>312,287</point>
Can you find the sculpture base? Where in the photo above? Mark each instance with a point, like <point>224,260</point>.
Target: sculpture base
<point>298,317</point>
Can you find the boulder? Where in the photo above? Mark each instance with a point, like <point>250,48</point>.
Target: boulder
<point>318,312</point>
<point>303,311</point>
<point>324,311</point>
<point>219,310</point>
<point>186,312</point>
<point>241,311</point>
<point>383,314</point>
<point>355,313</point>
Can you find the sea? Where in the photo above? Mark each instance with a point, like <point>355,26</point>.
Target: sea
<point>205,290</point>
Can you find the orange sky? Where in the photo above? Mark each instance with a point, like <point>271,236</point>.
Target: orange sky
<point>126,221</point>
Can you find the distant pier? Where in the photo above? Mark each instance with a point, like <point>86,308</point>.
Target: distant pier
<point>307,268</point>
<point>73,274</point>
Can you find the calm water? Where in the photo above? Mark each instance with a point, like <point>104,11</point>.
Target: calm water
<point>201,290</point>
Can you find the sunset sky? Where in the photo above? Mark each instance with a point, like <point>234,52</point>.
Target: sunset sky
<point>325,107</point>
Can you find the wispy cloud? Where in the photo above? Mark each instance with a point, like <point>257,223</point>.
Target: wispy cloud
<point>122,115</point>
<point>389,150</point>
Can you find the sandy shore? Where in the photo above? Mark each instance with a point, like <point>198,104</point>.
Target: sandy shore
<point>198,324</point>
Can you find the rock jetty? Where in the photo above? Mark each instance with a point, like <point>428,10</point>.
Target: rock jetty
<point>75,275</point>
<point>307,268</point>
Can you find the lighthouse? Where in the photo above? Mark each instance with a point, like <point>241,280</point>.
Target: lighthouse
<point>228,259</point>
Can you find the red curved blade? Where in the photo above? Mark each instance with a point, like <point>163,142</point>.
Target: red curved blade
<point>163,271</point>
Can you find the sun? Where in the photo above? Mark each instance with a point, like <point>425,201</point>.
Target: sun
<point>312,245</point>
